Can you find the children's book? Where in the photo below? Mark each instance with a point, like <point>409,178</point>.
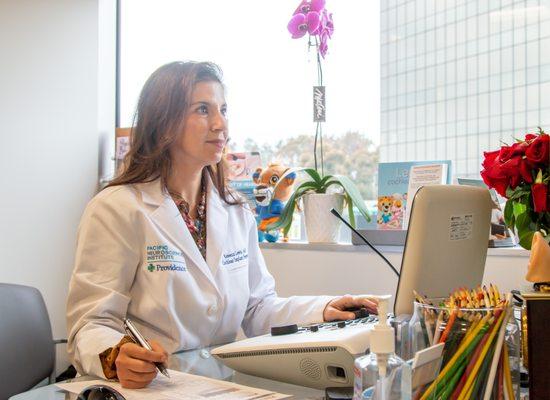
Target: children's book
<point>393,186</point>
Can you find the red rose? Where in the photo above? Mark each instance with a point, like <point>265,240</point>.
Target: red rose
<point>511,169</point>
<point>500,185</point>
<point>490,158</point>
<point>495,171</point>
<point>518,149</point>
<point>525,171</point>
<point>540,196</point>
<point>494,177</point>
<point>505,153</point>
<point>530,136</point>
<point>538,150</point>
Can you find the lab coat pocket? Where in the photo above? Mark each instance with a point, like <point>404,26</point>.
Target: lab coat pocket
<point>237,266</point>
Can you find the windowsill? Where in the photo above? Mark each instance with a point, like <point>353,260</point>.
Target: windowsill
<point>348,247</point>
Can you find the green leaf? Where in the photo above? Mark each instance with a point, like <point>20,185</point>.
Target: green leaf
<point>314,174</point>
<point>354,194</point>
<point>518,208</point>
<point>518,193</point>
<point>288,172</point>
<point>323,183</point>
<point>509,213</point>
<point>308,184</point>
<point>286,229</point>
<point>285,220</point>
<point>350,211</point>
<point>522,222</point>
<point>525,239</point>
<point>334,182</point>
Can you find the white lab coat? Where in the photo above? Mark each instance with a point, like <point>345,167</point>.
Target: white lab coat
<point>135,257</point>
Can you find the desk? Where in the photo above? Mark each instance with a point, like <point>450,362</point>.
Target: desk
<point>198,362</point>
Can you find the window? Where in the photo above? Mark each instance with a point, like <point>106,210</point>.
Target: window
<point>268,75</point>
<point>496,57</point>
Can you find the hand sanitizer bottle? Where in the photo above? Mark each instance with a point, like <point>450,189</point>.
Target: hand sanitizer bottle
<point>380,374</point>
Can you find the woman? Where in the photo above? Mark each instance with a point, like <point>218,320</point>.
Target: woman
<point>168,245</point>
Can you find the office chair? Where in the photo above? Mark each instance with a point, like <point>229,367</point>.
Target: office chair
<point>26,343</point>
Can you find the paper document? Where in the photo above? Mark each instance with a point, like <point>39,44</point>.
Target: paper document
<point>181,386</point>
<point>423,175</point>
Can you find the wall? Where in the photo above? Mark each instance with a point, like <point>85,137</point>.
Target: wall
<point>49,157</point>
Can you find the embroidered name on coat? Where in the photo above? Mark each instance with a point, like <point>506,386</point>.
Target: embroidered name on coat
<point>234,256</point>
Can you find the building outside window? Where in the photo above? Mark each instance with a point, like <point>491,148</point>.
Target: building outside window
<point>459,77</point>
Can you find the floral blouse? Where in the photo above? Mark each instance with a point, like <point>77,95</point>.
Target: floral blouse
<point>197,227</point>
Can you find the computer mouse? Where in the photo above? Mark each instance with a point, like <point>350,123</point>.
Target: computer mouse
<point>99,392</point>
<point>359,312</point>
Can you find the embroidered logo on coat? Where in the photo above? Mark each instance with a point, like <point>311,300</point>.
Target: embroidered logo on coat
<point>164,258</point>
<point>163,252</point>
<point>170,267</point>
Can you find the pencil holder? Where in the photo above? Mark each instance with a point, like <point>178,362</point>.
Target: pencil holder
<point>481,350</point>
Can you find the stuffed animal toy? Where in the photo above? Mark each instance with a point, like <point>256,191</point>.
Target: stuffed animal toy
<point>270,199</point>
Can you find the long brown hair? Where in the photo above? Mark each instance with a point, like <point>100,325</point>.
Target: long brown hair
<point>162,105</point>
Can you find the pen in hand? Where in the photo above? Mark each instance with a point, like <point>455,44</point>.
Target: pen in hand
<point>138,338</point>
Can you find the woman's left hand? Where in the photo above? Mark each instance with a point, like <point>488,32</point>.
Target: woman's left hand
<point>338,309</point>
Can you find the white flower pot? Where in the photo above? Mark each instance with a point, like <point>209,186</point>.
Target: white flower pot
<point>321,225</point>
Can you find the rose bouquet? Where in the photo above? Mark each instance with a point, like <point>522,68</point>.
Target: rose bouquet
<point>520,173</point>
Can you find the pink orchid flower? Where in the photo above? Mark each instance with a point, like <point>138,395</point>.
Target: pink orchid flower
<point>311,17</point>
<point>306,18</point>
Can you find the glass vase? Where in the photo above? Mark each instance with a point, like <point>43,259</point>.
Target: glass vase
<point>480,346</point>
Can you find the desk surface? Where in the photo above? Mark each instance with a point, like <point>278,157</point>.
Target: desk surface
<point>198,362</point>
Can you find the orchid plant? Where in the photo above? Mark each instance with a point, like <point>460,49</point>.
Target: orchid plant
<point>316,183</point>
<point>312,18</point>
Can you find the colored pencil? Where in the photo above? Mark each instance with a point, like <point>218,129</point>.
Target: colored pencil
<point>476,367</point>
<point>475,357</point>
<point>465,348</point>
<point>448,327</point>
<point>507,374</point>
<point>498,349</point>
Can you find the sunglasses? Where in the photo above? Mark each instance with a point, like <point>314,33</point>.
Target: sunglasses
<point>99,392</point>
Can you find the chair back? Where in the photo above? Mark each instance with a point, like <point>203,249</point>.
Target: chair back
<point>26,342</point>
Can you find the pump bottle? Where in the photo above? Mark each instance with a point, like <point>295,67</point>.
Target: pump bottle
<point>380,374</point>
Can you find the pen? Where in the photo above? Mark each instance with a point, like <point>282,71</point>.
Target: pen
<point>138,338</point>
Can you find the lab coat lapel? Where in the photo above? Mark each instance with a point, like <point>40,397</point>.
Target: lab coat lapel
<point>216,227</point>
<point>168,218</point>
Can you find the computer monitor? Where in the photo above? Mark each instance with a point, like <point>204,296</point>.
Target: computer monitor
<point>446,243</point>
<point>446,248</point>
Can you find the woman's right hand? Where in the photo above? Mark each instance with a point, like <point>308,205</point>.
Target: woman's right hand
<point>134,364</point>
